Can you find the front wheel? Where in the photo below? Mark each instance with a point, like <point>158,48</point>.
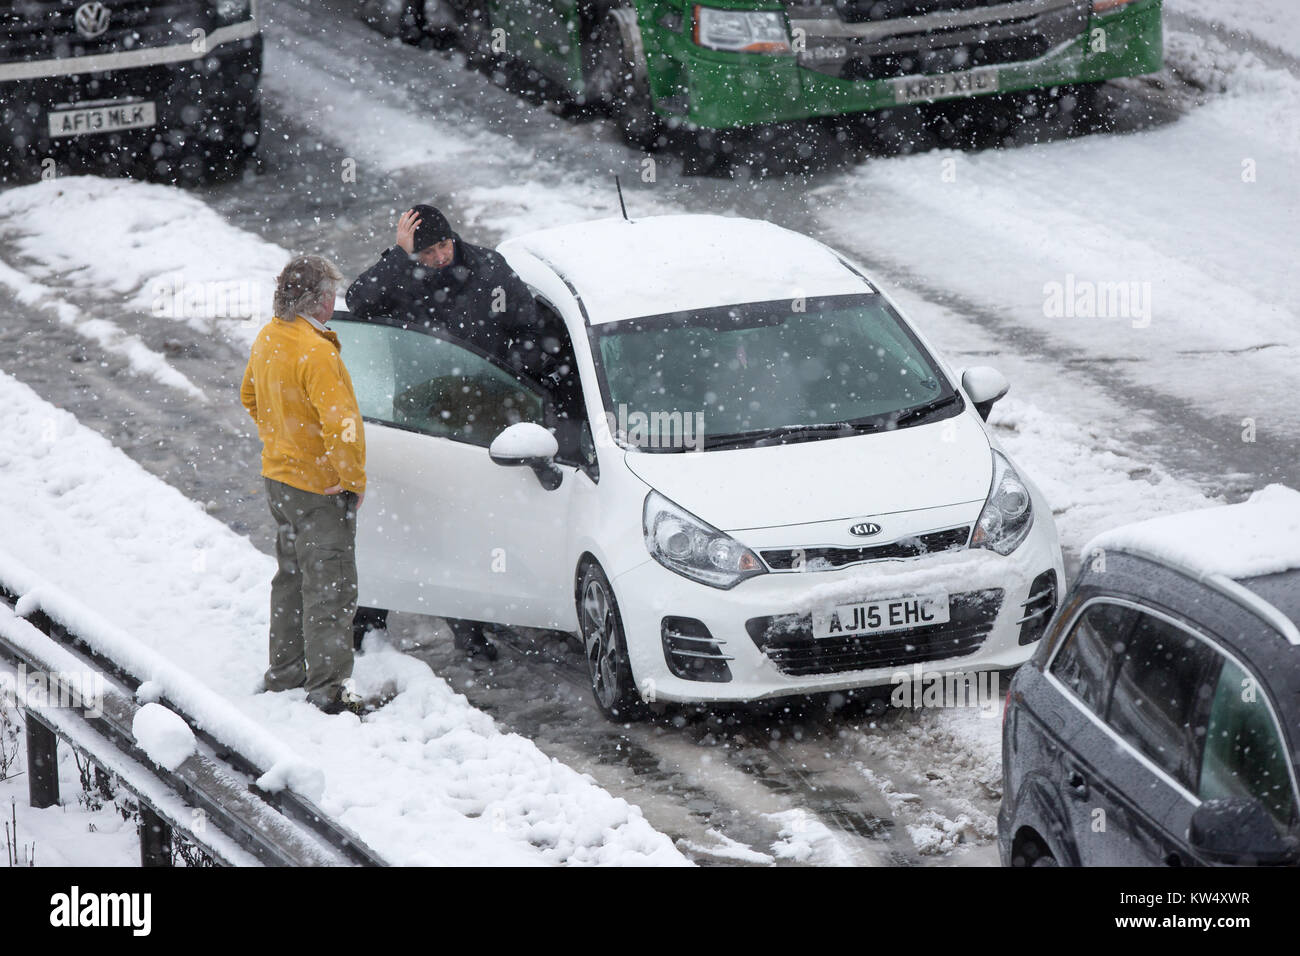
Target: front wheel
<point>393,18</point>
<point>618,80</point>
<point>476,35</point>
<point>605,648</point>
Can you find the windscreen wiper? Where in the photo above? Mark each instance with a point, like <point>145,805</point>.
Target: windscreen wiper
<point>781,433</point>
<point>919,413</point>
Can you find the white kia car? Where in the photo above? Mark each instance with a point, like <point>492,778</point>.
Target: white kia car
<point>740,473</point>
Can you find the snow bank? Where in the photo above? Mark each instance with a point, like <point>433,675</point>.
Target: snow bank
<point>181,601</point>
<point>163,735</point>
<point>1258,536</point>
<point>157,249</point>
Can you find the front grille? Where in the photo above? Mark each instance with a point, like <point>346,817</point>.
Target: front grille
<point>788,641</point>
<point>872,41</point>
<point>866,11</point>
<point>812,559</point>
<point>1038,607</point>
<point>46,29</point>
<point>953,59</point>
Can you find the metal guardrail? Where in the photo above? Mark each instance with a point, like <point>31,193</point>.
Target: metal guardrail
<point>275,829</point>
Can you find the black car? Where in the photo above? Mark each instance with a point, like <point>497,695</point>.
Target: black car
<point>1158,723</point>
<point>165,87</point>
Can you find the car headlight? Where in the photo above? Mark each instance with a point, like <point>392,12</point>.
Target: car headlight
<point>741,31</point>
<point>694,549</point>
<point>1008,513</point>
<point>233,11</point>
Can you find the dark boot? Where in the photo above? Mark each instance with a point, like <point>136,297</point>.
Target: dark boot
<point>468,636</point>
<point>367,619</point>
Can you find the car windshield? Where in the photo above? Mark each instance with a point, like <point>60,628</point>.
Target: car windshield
<point>767,372</point>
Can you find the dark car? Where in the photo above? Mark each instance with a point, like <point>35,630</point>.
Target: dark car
<point>168,87</point>
<point>1157,722</point>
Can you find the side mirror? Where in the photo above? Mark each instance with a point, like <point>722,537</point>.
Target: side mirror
<point>985,385</point>
<point>525,443</point>
<point>1239,832</point>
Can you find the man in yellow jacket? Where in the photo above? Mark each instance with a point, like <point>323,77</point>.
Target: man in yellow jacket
<point>297,389</point>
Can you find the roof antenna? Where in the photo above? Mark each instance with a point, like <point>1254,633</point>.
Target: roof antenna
<point>621,204</point>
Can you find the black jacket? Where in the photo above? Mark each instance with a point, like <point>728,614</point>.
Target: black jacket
<point>478,298</point>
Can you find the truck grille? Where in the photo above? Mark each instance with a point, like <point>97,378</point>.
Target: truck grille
<point>865,40</point>
<point>787,559</point>
<point>47,29</point>
<point>864,11</point>
<point>788,641</point>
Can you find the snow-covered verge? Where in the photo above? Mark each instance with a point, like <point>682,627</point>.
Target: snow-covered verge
<point>155,249</point>
<point>428,779</point>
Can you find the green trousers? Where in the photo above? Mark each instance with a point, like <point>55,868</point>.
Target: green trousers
<point>314,592</point>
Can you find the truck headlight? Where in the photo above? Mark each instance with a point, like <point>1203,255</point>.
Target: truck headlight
<point>694,549</point>
<point>1008,513</point>
<point>741,31</point>
<point>232,11</point>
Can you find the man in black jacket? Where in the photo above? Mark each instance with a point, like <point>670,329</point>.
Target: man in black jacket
<point>432,276</point>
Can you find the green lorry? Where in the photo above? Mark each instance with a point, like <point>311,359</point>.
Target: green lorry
<point>730,64</point>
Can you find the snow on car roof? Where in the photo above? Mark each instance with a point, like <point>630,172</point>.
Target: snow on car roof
<point>1259,536</point>
<point>623,269</point>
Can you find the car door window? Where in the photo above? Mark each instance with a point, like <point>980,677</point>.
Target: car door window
<point>1245,756</point>
<point>1157,704</point>
<point>559,373</point>
<point>1084,658</point>
<point>433,385</point>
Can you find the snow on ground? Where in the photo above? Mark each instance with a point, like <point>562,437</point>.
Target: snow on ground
<point>1273,22</point>
<point>804,838</point>
<point>81,831</point>
<point>1110,248</point>
<point>426,780</point>
<point>155,249</point>
<point>395,130</point>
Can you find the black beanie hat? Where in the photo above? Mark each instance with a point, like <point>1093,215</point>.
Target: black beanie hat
<point>433,227</point>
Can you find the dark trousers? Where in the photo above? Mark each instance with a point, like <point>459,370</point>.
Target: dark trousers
<point>314,592</point>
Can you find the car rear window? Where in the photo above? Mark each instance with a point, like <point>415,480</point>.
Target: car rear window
<point>1245,756</point>
<point>1160,698</point>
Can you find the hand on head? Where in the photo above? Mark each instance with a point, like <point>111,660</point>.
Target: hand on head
<point>406,230</point>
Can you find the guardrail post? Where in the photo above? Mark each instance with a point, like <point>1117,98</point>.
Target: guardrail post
<point>155,839</point>
<point>42,765</point>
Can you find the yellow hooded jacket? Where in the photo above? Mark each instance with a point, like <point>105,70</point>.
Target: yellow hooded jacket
<point>299,392</point>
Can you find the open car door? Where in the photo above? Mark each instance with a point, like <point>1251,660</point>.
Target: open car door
<point>444,530</point>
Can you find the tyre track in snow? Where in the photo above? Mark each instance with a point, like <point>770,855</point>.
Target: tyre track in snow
<point>852,788</point>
